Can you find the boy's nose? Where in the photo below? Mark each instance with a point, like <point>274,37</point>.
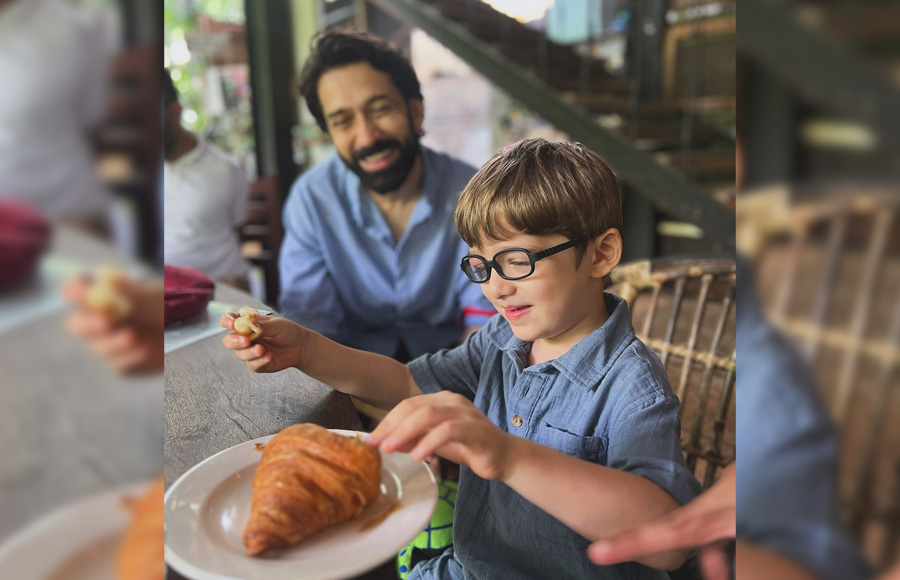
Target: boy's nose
<point>496,287</point>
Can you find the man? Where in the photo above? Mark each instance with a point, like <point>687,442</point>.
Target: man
<point>369,233</point>
<point>206,196</point>
<point>54,66</point>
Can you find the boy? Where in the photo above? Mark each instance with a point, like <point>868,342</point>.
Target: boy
<point>563,421</point>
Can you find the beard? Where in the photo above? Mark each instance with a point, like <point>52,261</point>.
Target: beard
<point>392,177</point>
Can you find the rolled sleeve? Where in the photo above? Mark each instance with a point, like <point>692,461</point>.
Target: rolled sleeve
<point>456,370</point>
<point>645,442</point>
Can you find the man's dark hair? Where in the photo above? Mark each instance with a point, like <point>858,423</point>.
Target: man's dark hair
<point>336,48</point>
<point>170,94</point>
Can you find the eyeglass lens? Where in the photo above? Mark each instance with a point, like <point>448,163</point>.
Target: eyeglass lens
<point>512,264</point>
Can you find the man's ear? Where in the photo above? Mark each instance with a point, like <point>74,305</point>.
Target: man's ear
<point>416,113</point>
<point>607,252</point>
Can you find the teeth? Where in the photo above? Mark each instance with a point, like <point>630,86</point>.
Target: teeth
<point>378,156</point>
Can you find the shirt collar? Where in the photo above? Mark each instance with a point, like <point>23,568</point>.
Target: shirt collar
<point>586,363</point>
<point>358,198</point>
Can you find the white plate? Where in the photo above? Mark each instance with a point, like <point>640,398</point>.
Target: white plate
<point>208,507</point>
<point>76,542</point>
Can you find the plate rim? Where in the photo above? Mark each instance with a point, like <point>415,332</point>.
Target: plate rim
<point>182,566</point>
<point>49,521</point>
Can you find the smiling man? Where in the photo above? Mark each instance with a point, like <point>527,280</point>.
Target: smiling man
<point>369,233</point>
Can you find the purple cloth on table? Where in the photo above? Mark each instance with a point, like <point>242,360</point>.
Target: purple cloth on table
<point>24,235</point>
<point>187,291</point>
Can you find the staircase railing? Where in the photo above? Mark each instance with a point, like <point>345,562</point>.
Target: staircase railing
<point>670,191</point>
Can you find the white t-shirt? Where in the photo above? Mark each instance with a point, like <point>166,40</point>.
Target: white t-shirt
<point>206,196</point>
<point>54,70</point>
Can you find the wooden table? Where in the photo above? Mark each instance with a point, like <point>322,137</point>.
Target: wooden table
<point>70,428</point>
<point>214,402</point>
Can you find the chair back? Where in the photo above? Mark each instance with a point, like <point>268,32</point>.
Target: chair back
<point>829,276</point>
<point>684,309</point>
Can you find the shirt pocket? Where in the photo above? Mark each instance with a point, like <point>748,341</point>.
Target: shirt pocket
<point>585,447</point>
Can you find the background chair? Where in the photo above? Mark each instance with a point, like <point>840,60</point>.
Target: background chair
<point>828,273</point>
<point>684,309</point>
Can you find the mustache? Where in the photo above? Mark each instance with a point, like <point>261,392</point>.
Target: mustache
<point>377,147</point>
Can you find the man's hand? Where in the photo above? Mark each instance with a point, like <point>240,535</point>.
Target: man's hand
<point>706,524</point>
<point>448,425</point>
<point>131,345</point>
<point>277,348</point>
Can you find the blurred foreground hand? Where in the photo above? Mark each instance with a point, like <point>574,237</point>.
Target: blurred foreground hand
<point>706,524</point>
<point>893,574</point>
<point>128,335</point>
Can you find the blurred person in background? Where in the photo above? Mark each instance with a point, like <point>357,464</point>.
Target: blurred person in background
<point>205,195</point>
<point>54,66</point>
<point>369,233</point>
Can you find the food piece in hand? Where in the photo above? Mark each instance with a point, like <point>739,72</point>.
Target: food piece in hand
<point>248,323</point>
<point>140,555</point>
<point>105,295</point>
<point>307,480</point>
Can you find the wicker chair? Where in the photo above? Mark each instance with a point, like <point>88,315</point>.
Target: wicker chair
<point>828,270</point>
<point>684,309</point>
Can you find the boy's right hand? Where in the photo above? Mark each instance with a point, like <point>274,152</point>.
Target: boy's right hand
<point>277,348</point>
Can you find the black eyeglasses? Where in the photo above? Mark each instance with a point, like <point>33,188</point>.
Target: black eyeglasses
<point>512,264</point>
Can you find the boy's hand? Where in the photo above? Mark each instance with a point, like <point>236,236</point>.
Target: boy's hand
<point>128,346</point>
<point>450,426</point>
<point>277,348</point>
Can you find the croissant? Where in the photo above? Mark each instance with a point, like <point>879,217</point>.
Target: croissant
<point>307,480</point>
<point>140,555</point>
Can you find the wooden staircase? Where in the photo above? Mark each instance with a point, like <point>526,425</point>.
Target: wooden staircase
<point>651,125</point>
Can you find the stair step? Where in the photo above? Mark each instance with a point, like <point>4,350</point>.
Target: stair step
<point>598,86</point>
<point>700,162</point>
<point>667,135</point>
<point>525,44</point>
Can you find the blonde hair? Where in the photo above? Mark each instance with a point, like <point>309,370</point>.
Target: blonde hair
<point>539,187</point>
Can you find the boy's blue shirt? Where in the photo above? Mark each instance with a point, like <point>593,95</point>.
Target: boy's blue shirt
<point>607,400</point>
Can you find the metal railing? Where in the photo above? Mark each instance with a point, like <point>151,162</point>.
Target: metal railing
<point>669,190</point>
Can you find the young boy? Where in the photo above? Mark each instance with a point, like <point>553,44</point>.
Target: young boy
<point>564,422</point>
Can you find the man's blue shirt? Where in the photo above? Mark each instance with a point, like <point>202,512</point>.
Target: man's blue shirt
<point>342,274</point>
<point>607,401</point>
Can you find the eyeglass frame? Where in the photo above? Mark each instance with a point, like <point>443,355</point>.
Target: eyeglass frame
<point>532,257</point>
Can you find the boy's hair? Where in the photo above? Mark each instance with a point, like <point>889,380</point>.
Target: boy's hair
<point>337,48</point>
<point>539,187</point>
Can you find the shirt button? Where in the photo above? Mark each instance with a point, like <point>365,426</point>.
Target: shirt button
<point>517,421</point>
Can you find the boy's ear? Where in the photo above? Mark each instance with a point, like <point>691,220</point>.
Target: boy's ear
<point>607,250</point>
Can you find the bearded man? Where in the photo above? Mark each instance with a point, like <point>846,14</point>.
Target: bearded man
<point>370,245</point>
